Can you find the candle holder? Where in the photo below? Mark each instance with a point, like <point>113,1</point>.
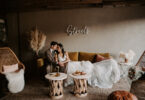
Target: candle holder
<point>57,73</point>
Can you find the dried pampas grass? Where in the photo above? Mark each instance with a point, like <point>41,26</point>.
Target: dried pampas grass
<point>127,56</point>
<point>37,40</point>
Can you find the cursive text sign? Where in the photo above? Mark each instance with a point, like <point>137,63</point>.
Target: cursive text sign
<point>71,30</point>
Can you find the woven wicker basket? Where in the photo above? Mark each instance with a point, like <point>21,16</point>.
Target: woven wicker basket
<point>8,57</point>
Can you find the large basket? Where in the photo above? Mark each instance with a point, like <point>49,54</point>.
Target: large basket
<point>8,57</point>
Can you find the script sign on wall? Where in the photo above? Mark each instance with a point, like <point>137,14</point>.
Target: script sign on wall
<point>72,30</point>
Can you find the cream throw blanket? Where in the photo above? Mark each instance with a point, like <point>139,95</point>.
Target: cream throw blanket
<point>103,74</point>
<point>15,81</point>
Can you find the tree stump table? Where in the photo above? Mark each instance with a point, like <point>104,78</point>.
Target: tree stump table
<point>56,84</point>
<point>80,85</point>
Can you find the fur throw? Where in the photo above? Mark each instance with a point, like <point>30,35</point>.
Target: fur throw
<point>15,81</point>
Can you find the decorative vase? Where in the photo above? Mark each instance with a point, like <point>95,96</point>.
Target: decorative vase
<point>40,62</point>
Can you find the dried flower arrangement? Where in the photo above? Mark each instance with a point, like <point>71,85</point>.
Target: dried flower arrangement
<point>127,57</point>
<point>37,40</point>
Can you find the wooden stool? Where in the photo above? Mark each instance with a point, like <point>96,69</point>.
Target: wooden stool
<point>121,95</point>
<point>56,84</point>
<point>80,85</point>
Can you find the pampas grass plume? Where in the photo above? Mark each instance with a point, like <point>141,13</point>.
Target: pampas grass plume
<point>37,40</point>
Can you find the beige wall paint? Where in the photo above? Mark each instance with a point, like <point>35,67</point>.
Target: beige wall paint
<point>110,29</point>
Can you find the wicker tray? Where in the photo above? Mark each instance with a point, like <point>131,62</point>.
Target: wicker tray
<point>8,57</point>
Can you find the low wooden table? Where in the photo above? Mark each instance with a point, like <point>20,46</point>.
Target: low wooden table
<point>56,84</point>
<point>80,84</point>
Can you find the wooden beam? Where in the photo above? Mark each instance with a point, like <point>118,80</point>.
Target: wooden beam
<point>29,5</point>
<point>128,3</point>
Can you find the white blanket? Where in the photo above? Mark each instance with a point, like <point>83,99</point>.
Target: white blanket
<point>15,81</point>
<point>103,74</point>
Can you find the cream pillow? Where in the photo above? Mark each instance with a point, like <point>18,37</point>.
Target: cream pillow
<point>10,68</point>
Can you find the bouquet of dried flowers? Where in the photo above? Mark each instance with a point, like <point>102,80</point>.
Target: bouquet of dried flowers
<point>37,40</point>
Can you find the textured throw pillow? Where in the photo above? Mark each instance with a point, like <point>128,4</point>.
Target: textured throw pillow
<point>85,56</point>
<point>99,58</point>
<point>73,56</point>
<point>10,68</point>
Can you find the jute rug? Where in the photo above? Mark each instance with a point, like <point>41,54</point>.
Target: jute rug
<point>37,90</point>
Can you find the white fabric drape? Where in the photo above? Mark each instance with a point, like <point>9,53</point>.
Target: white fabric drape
<point>103,74</point>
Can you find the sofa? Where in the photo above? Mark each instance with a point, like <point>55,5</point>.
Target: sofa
<point>100,93</point>
<point>85,56</point>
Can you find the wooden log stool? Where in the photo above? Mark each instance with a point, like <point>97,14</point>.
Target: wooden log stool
<point>80,85</point>
<point>121,95</point>
<point>56,84</point>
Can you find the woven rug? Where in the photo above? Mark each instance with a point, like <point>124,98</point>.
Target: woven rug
<point>138,88</point>
<point>37,90</point>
